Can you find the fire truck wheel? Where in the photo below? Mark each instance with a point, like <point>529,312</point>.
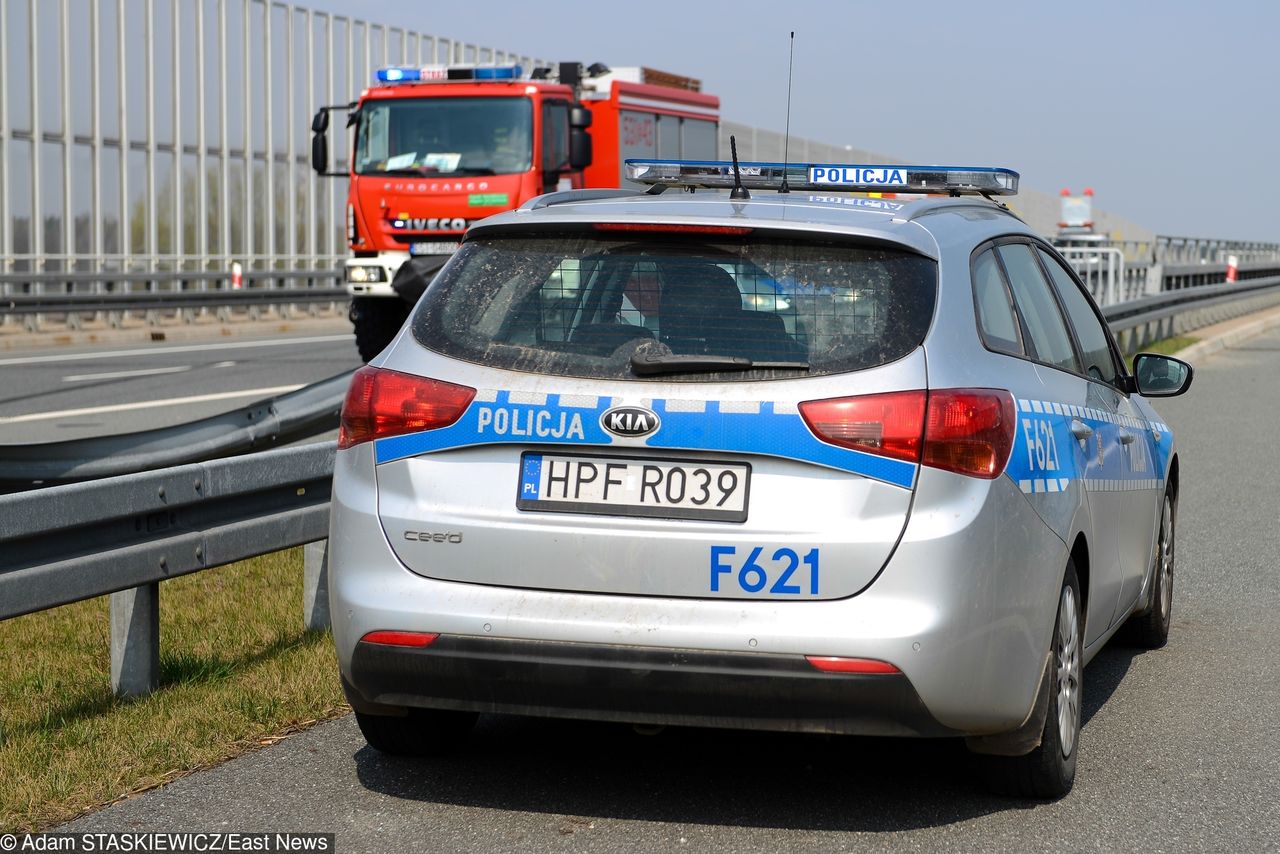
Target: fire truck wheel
<point>377,320</point>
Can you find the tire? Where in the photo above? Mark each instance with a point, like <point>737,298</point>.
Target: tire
<point>1150,629</point>
<point>422,732</point>
<point>1049,771</point>
<point>376,321</point>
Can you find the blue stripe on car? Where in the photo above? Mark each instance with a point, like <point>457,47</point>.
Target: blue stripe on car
<point>1044,458</point>
<point>764,432</point>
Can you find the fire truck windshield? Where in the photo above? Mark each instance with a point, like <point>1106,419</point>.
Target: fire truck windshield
<point>444,136</point>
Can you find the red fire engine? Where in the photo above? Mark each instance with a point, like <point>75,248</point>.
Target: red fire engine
<point>436,148</point>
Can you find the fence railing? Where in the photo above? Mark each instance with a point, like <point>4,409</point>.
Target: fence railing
<point>1139,322</point>
<point>73,297</point>
<point>1149,267</point>
<point>1102,269</point>
<point>189,139</point>
<point>124,535</point>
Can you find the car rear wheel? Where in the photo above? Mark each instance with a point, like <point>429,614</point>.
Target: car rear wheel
<point>421,732</point>
<point>1151,628</point>
<point>1049,771</point>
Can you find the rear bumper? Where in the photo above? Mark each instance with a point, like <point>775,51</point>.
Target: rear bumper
<point>637,685</point>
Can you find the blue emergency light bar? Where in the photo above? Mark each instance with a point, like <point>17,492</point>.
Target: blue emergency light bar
<point>438,73</point>
<point>718,174</point>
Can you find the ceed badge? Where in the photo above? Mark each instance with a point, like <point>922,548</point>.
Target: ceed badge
<point>630,421</point>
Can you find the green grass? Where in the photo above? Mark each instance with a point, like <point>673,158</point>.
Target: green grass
<point>237,671</point>
<point>1169,346</point>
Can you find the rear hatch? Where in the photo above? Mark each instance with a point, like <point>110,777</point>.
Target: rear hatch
<point>670,413</point>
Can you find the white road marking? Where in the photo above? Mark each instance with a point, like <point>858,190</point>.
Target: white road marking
<point>149,404</point>
<point>225,365</point>
<point>117,375</point>
<point>177,348</point>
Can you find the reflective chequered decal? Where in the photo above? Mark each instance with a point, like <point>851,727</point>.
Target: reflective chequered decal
<point>1043,461</point>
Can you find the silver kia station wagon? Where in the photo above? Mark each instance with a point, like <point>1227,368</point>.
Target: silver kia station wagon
<point>815,448</point>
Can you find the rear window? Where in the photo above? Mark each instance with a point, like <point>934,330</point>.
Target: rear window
<point>582,304</point>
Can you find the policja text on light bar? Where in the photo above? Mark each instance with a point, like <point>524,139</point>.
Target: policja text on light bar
<point>718,174</point>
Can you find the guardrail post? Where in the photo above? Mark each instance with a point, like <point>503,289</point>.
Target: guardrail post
<point>315,585</point>
<point>135,640</point>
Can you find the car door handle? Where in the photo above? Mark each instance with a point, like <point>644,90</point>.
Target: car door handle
<point>1080,430</point>
<point>1126,438</point>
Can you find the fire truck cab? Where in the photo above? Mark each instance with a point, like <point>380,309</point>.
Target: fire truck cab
<point>436,148</point>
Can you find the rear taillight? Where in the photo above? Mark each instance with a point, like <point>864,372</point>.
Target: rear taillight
<point>971,431</point>
<point>968,431</point>
<point>382,403</point>
<point>889,425</point>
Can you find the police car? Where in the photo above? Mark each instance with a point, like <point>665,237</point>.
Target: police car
<point>834,459</point>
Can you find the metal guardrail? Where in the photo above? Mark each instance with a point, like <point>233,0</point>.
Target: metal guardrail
<point>163,300</point>
<point>77,290</point>
<point>256,426</point>
<point>75,295</point>
<point>1170,249</point>
<point>124,535</point>
<point>222,278</point>
<point>1150,267</point>
<point>1139,322</point>
<point>68,543</point>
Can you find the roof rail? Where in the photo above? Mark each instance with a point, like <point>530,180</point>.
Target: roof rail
<point>564,197</point>
<point>925,207</point>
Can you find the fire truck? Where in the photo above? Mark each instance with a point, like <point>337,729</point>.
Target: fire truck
<point>435,148</point>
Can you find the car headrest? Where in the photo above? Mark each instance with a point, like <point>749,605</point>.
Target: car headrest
<point>697,289</point>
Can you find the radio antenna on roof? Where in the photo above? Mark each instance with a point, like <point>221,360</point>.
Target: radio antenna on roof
<point>786,140</point>
<point>738,191</point>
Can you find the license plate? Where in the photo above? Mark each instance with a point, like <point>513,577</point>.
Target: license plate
<point>618,486</point>
<point>436,247</point>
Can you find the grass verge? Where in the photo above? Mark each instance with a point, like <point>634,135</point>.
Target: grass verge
<point>1168,346</point>
<point>237,671</point>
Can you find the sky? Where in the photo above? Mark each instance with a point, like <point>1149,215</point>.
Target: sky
<point>1169,110</point>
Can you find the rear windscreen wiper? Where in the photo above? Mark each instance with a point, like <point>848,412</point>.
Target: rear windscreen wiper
<point>646,364</point>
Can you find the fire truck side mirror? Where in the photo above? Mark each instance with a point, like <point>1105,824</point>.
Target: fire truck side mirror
<point>320,152</point>
<point>579,149</point>
<point>320,141</point>
<point>579,140</point>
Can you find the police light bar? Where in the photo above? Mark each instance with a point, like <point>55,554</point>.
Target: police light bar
<point>718,174</point>
<point>436,73</point>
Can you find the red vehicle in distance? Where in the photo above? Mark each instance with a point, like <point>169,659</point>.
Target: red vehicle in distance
<point>435,148</point>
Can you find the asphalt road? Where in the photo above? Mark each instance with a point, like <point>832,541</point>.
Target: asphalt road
<point>54,395</point>
<point>1180,749</point>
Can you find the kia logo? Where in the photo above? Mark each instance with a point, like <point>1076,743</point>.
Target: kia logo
<point>629,421</point>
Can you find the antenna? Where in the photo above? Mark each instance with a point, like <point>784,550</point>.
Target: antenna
<point>786,141</point>
<point>738,191</point>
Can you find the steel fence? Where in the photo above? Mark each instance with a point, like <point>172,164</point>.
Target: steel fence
<point>175,134</point>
